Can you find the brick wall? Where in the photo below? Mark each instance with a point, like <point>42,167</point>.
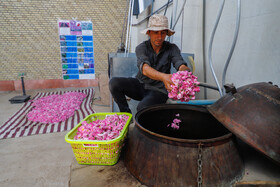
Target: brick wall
<point>29,34</point>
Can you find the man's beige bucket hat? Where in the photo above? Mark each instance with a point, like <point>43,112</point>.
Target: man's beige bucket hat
<point>158,22</point>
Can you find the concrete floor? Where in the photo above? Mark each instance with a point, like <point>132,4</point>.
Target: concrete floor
<point>47,160</point>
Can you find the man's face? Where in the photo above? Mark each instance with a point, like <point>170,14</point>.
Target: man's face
<point>157,37</point>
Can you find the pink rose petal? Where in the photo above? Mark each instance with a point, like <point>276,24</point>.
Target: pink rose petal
<point>106,129</point>
<point>55,108</point>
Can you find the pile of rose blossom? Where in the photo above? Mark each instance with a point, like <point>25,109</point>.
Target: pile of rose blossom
<point>106,129</point>
<point>185,86</point>
<point>176,122</point>
<point>55,108</point>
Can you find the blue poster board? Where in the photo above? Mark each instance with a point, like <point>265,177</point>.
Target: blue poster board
<point>76,46</point>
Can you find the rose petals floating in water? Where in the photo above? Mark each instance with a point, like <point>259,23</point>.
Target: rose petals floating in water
<point>185,86</point>
<point>55,108</point>
<point>106,129</point>
<point>176,122</point>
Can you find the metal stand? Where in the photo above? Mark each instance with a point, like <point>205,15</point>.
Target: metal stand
<point>23,98</point>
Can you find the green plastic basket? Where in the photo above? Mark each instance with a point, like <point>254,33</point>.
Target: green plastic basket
<point>98,152</point>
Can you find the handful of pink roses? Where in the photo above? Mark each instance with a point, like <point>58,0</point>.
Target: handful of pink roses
<point>106,129</point>
<point>185,86</point>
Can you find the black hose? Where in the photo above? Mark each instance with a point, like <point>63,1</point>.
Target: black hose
<point>166,7</point>
<point>158,10</point>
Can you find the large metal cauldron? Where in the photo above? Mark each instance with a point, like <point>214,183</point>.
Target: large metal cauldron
<point>202,150</point>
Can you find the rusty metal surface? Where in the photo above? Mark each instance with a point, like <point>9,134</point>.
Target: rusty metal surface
<point>253,114</point>
<point>159,156</point>
<point>155,163</point>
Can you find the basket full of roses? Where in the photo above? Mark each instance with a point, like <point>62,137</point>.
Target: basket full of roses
<point>99,138</point>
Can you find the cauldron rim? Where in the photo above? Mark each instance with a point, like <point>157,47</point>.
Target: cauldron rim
<point>215,140</point>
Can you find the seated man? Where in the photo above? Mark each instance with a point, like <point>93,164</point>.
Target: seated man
<point>154,59</point>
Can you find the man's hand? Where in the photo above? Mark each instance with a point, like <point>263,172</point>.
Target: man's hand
<point>166,79</point>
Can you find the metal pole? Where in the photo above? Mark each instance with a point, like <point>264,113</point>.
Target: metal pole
<point>130,28</point>
<point>127,27</point>
<point>173,17</point>
<point>22,83</point>
<point>203,47</point>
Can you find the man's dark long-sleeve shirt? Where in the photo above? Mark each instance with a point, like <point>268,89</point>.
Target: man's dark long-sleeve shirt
<point>169,54</point>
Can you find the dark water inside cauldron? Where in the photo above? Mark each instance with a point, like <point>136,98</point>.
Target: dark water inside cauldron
<point>197,122</point>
